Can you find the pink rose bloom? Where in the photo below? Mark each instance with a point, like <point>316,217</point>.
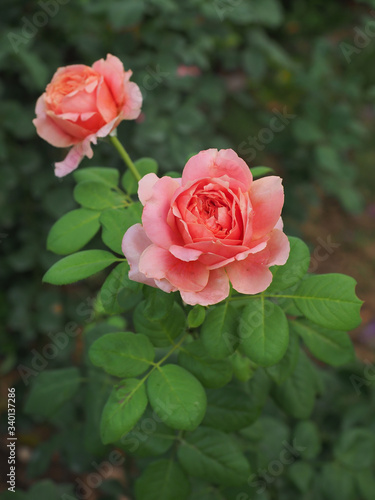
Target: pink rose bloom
<point>81,104</point>
<point>213,226</point>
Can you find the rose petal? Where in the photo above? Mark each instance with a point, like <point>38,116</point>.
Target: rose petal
<point>155,214</point>
<point>73,158</point>
<point>216,290</point>
<point>114,75</point>
<point>47,129</point>
<point>185,254</point>
<point>267,198</point>
<point>214,164</point>
<point>158,263</point>
<point>145,187</point>
<point>248,277</point>
<point>105,102</point>
<point>132,101</point>
<point>134,243</point>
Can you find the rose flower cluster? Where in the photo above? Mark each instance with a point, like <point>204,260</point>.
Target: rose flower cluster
<point>212,227</point>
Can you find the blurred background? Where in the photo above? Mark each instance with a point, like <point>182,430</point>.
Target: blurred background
<point>288,84</point>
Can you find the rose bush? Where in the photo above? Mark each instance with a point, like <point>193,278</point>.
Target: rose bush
<point>82,103</point>
<point>213,226</point>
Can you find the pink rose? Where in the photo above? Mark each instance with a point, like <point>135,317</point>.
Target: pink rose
<point>212,226</point>
<point>81,104</point>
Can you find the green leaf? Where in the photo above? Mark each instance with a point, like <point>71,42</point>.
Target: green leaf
<point>103,175</point>
<point>116,281</point>
<point>263,332</point>
<point>213,456</point>
<point>196,316</point>
<point>158,304</point>
<point>163,331</point>
<point>123,409</point>
<point>282,370</point>
<point>301,474</point>
<point>210,372</point>
<point>294,269</point>
<point>149,438</point>
<point>331,346</point>
<point>335,483</point>
<point>163,479</point>
<point>356,449</point>
<point>144,166</point>
<point>78,266</point>
<point>122,354</point>
<point>329,300</point>
<point>243,367</point>
<point>219,331</point>
<point>116,221</point>
<point>230,409</point>
<point>50,390</point>
<point>97,391</point>
<point>296,396</point>
<point>98,196</point>
<point>177,397</point>
<point>73,231</point>
<point>306,434</point>
<point>261,171</point>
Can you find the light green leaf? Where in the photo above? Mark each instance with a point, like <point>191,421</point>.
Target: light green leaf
<point>261,171</point>
<point>219,331</point>
<point>163,479</point>
<point>50,390</point>
<point>103,175</point>
<point>330,301</point>
<point>122,354</point>
<point>196,316</point>
<point>73,231</point>
<point>331,346</point>
<point>230,409</point>
<point>210,372</point>
<point>243,367</point>
<point>144,166</point>
<point>78,266</point>
<point>213,456</point>
<point>263,332</point>
<point>98,196</point>
<point>296,396</point>
<point>294,269</point>
<point>177,397</point>
<point>163,331</point>
<point>123,409</point>
<point>116,221</point>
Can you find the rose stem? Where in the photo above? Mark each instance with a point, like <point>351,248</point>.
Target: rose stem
<point>124,155</point>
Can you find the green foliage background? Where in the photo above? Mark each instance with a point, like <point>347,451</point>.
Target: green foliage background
<point>254,57</point>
